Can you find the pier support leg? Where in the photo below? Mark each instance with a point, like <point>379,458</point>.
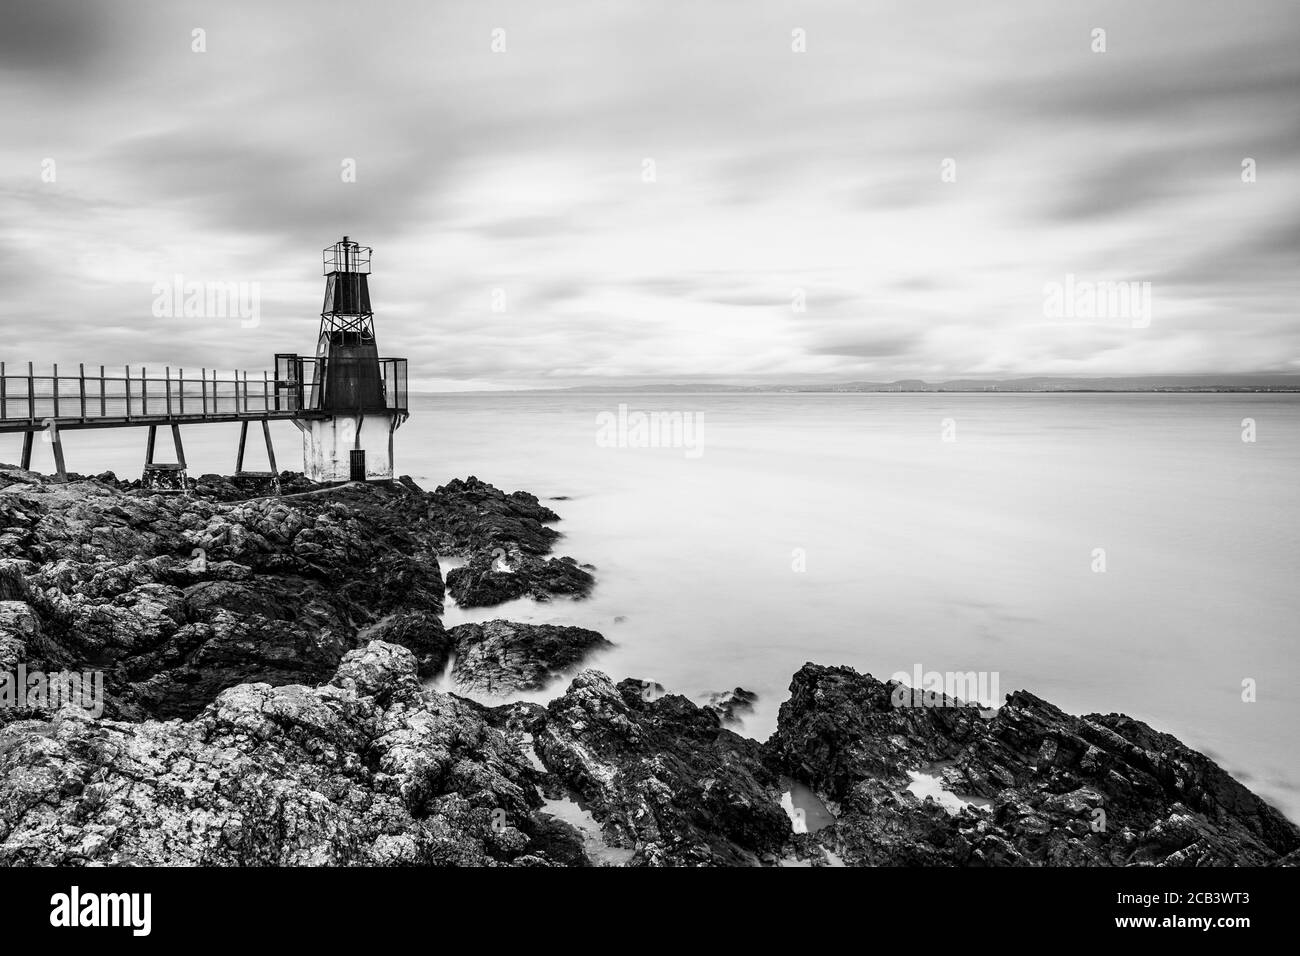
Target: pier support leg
<point>273,476</point>
<point>160,476</point>
<point>243,439</point>
<point>56,440</point>
<point>392,428</point>
<point>180,449</point>
<point>270,449</point>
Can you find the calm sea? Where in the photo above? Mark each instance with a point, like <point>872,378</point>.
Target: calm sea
<point>1125,553</point>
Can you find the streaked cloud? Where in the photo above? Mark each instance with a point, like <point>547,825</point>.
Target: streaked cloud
<point>779,177</point>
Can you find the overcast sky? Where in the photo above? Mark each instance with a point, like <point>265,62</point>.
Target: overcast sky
<point>775,171</point>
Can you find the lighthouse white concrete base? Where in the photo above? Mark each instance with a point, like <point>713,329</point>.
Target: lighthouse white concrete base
<point>327,445</point>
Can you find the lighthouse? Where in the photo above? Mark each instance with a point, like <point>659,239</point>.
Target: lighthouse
<point>346,400</point>
<point>355,399</point>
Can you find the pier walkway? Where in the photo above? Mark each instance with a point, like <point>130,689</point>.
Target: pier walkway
<point>32,402</point>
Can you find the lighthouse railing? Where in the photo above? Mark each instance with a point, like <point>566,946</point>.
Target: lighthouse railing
<point>392,371</point>
<point>311,374</point>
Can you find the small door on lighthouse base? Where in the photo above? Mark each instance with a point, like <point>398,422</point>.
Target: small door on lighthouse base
<point>330,446</point>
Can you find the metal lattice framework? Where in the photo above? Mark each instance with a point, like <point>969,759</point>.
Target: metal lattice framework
<point>346,317</point>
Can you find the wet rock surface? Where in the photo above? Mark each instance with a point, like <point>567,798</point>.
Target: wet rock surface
<point>505,539</point>
<point>1041,786</point>
<point>661,776</point>
<point>472,516</point>
<point>731,706</point>
<point>503,657</point>
<point>486,581</point>
<point>267,664</point>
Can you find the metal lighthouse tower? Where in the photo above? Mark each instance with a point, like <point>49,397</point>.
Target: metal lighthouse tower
<point>359,397</point>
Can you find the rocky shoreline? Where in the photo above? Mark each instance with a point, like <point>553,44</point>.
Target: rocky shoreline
<point>269,666</point>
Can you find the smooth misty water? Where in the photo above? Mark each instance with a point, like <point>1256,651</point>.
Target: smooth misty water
<point>975,554</point>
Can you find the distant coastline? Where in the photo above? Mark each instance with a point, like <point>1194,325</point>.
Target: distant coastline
<point>1196,384</point>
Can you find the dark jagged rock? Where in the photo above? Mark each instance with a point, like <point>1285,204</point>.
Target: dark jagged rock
<point>661,776</point>
<point>502,657</point>
<point>505,539</point>
<point>488,580</point>
<point>1059,789</point>
<point>374,769</point>
<point>839,727</point>
<point>731,705</point>
<point>471,516</point>
<point>418,631</point>
<point>368,770</point>
<point>241,487</point>
<point>478,584</point>
<point>177,597</point>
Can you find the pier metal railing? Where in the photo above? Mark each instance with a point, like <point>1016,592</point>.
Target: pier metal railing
<point>100,398</point>
<point>135,396</point>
